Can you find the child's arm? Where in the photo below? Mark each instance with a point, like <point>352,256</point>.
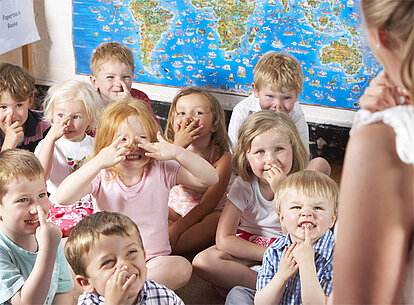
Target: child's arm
<point>45,154</point>
<point>194,170</point>
<point>227,241</point>
<point>13,134</point>
<point>36,286</point>
<point>311,290</point>
<point>63,298</point>
<point>207,203</point>
<point>78,184</point>
<point>273,291</point>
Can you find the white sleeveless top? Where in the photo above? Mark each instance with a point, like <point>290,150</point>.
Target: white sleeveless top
<point>401,119</point>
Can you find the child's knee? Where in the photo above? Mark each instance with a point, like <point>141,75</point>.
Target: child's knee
<point>320,164</point>
<point>204,259</point>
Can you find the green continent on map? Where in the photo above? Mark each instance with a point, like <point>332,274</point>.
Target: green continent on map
<point>348,57</point>
<point>153,21</point>
<point>232,20</point>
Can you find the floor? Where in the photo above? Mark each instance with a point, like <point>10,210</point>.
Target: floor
<point>198,291</point>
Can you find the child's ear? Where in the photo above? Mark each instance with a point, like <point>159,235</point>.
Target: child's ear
<point>281,218</point>
<point>332,222</point>
<point>84,283</point>
<point>255,92</point>
<point>94,83</point>
<point>31,101</point>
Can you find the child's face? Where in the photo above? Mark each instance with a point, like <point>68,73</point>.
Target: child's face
<point>299,211</point>
<point>18,210</point>
<point>12,110</point>
<point>112,79</point>
<point>78,119</point>
<point>133,130</point>
<point>275,100</point>
<point>112,261</point>
<point>267,149</point>
<point>194,107</point>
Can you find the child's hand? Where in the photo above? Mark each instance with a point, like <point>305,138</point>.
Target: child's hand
<point>186,134</point>
<point>125,92</point>
<point>13,134</point>
<point>117,287</point>
<point>48,235</point>
<point>57,129</point>
<point>112,154</point>
<point>304,252</point>
<point>381,93</point>
<point>288,266</point>
<point>274,176</point>
<point>161,150</point>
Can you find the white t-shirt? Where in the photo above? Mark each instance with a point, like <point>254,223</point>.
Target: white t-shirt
<point>66,158</point>
<point>251,105</point>
<point>258,214</point>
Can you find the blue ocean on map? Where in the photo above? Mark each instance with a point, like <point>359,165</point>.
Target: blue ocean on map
<point>215,44</point>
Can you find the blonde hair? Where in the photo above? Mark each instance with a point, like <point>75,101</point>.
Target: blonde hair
<point>278,71</point>
<point>15,164</point>
<point>74,91</point>
<point>219,137</point>
<point>116,114</point>
<point>17,81</point>
<point>397,17</point>
<point>111,52</point>
<point>258,123</point>
<point>85,234</point>
<point>309,183</point>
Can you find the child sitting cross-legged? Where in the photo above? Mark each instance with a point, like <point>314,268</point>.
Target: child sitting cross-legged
<point>297,267</point>
<point>106,253</point>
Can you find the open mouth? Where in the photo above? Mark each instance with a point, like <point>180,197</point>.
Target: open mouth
<point>32,221</point>
<point>134,157</point>
<point>306,224</point>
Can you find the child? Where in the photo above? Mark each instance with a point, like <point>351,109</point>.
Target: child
<point>106,253</point>
<point>277,84</point>
<point>196,121</point>
<point>269,149</point>
<point>33,269</point>
<point>72,108</point>
<point>112,68</point>
<point>306,203</point>
<point>132,175</point>
<point>20,126</point>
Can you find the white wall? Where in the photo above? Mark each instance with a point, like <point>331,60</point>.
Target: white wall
<point>53,61</point>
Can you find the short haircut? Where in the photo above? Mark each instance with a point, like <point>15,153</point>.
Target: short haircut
<point>117,113</point>
<point>84,235</point>
<point>278,71</point>
<point>309,183</point>
<point>17,81</point>
<point>74,91</point>
<point>220,136</point>
<point>258,123</point>
<point>15,164</point>
<point>111,52</point>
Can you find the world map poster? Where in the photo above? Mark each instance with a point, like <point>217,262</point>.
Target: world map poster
<point>214,44</point>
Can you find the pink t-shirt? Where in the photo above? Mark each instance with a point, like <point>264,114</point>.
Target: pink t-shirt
<point>146,203</point>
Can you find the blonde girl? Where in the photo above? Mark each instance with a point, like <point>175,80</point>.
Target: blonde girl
<point>196,122</point>
<point>72,108</point>
<point>269,148</point>
<point>132,174</point>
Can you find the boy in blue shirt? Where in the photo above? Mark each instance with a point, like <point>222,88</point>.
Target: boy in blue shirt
<point>297,267</point>
<point>20,127</point>
<point>33,268</point>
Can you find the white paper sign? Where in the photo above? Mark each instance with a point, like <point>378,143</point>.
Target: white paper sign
<point>17,24</point>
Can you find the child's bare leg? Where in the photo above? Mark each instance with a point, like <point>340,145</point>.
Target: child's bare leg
<point>319,164</point>
<point>171,271</point>
<point>223,270</point>
<point>199,236</point>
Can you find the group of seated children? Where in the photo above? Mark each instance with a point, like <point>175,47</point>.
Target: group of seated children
<point>108,171</point>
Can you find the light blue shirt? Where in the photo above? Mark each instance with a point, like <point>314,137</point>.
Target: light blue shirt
<point>324,249</point>
<point>16,265</point>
